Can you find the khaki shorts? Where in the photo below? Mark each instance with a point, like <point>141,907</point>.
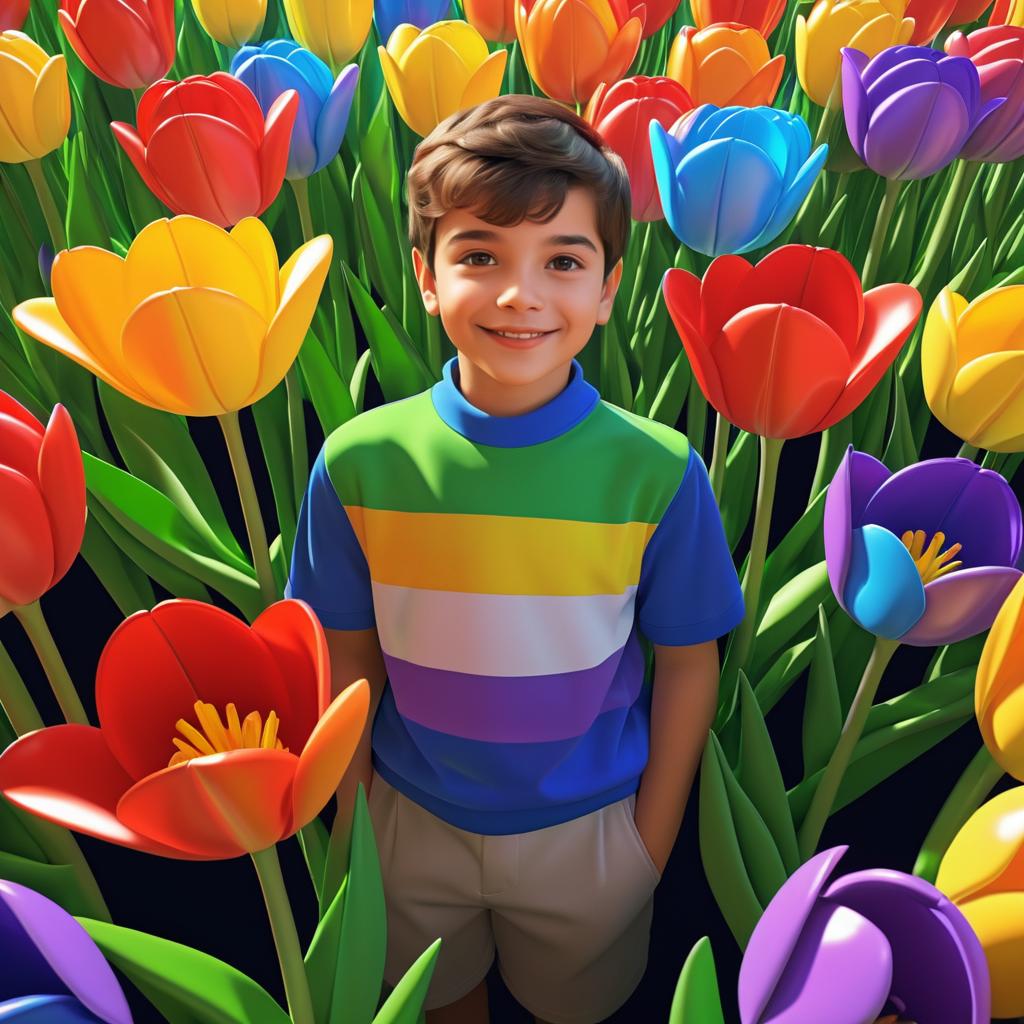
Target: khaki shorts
<point>566,908</point>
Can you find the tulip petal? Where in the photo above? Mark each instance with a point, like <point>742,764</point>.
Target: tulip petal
<point>218,806</point>
<point>621,53</point>
<point>856,108</point>
<point>334,116</point>
<point>762,88</point>
<point>485,83</point>
<point>67,775</point>
<point>998,691</point>
<point>19,448</point>
<point>665,155</point>
<point>995,920</point>
<point>26,570</point>
<point>135,149</point>
<point>197,349</point>
<point>62,488</point>
<point>883,593</point>
<point>257,243</point>
<point>121,45</point>
<point>723,292</point>
<point>273,153</point>
<point>792,198</point>
<point>397,88</point>
<point>327,754</point>
<point>51,106</point>
<point>939,344</point>
<point>961,604</point>
<point>9,406</point>
<point>986,401</point>
<point>993,322</point>
<point>19,140</point>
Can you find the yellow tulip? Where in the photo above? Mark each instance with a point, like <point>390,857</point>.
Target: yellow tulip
<point>999,685</point>
<point>867,25</point>
<point>194,320</point>
<point>35,106</point>
<point>972,364</point>
<point>334,30</point>
<point>435,72</point>
<point>231,22</point>
<point>983,874</point>
<point>725,64</point>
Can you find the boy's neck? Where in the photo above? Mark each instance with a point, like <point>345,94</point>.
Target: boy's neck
<point>498,399</point>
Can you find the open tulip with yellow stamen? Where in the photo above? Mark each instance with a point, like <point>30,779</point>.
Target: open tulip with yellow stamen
<point>35,105</point>
<point>195,320</point>
<point>434,72</point>
<point>866,25</point>
<point>231,22</point>
<point>972,366</point>
<point>334,30</point>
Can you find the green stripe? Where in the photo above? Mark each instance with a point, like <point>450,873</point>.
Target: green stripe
<point>614,467</point>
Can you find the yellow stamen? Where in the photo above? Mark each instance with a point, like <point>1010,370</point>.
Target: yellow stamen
<point>214,737</point>
<point>251,729</point>
<point>269,737</point>
<point>234,727</point>
<point>931,562</point>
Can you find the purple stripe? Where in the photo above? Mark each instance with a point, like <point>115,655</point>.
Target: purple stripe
<point>516,709</point>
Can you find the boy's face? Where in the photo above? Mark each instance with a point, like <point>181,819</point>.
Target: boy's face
<point>525,278</point>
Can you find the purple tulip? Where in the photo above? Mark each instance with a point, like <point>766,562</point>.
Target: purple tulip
<point>50,969</point>
<point>876,941</point>
<point>910,110</point>
<point>905,587</point>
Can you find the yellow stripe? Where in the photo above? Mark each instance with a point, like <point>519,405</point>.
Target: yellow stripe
<point>499,554</point>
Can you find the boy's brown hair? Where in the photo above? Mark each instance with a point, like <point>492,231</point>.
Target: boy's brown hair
<point>512,157</point>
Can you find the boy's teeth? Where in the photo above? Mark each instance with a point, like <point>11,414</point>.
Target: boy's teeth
<point>508,334</point>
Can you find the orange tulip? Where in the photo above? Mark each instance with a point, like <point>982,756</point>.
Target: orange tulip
<point>571,46</point>
<point>215,739</point>
<point>1007,12</point>
<point>929,17</point>
<point>727,65</point>
<point>764,15</point>
<point>495,20</point>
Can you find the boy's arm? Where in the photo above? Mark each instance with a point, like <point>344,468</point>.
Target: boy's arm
<point>683,702</point>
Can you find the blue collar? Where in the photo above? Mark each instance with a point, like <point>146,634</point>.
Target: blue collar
<point>569,407</point>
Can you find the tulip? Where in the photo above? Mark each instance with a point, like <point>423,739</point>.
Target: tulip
<point>929,17</point>
<point>731,179</point>
<point>656,15</point>
<point>35,105</point>
<point>1007,12</point>
<point>999,685</point>
<point>982,874</point>
<point>42,502</point>
<point>763,15</point>
<point>622,115</point>
<point>434,73</point>
<point>13,14</point>
<point>194,320</point>
<point>972,363</point>
<point>847,953</point>
<point>231,22</point>
<point>571,46</point>
<point>965,12</point>
<point>231,746</point>
<point>789,346</point>
<point>495,20</point>
<point>127,45</point>
<point>910,110</point>
<point>53,971</point>
<point>890,539</point>
<point>728,65</point>
<point>203,148</point>
<point>389,14</point>
<point>276,66</point>
<point>998,54</point>
<point>334,30</point>
<point>868,25</point>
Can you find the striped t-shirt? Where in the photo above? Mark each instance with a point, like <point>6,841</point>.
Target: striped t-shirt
<point>510,565</point>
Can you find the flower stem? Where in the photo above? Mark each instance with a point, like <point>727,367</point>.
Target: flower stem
<point>828,114</point>
<point>296,415</point>
<point>718,456</point>
<point>15,699</point>
<point>771,448</point>
<point>250,505</point>
<point>885,212</point>
<point>827,788</point>
<point>33,622</point>
<point>300,189</point>
<point>973,786</point>
<point>967,451</point>
<point>963,177</point>
<point>286,939</point>
<point>54,223</point>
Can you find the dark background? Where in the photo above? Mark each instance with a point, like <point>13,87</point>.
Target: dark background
<point>217,906</point>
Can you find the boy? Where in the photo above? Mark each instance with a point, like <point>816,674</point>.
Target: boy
<point>495,548</point>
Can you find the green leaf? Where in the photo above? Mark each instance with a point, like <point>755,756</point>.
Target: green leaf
<point>775,683</point>
<point>696,999</point>
<point>615,383</point>
<point>871,416</point>
<point>405,1004</point>
<point>668,402</point>
<point>345,959</point>
<point>331,398</point>
<point>823,716</point>
<point>270,414</point>
<point>900,450</point>
<point>313,839</point>
<point>978,268</point>
<point>790,609</point>
<point>830,229</point>
<point>759,774</point>
<point>379,235</point>
<point>125,581</point>
<point>185,982</point>
<point>85,222</point>
<point>55,881</point>
<point>803,544</point>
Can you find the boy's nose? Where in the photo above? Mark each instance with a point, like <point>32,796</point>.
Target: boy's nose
<point>520,295</point>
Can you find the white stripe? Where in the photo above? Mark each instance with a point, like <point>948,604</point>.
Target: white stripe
<point>501,634</point>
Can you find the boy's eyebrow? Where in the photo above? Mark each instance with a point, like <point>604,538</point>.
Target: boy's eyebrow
<point>483,235</point>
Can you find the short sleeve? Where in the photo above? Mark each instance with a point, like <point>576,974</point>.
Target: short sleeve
<point>689,591</point>
<point>329,570</point>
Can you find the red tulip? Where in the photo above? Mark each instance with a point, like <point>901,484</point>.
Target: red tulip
<point>966,12</point>
<point>42,502</point>
<point>1006,12</point>
<point>203,148</point>
<point>215,738</point>
<point>13,14</point>
<point>792,345</point>
<point>622,114</point>
<point>929,17</point>
<point>130,45</point>
<point>658,13</point>
<point>763,15</point>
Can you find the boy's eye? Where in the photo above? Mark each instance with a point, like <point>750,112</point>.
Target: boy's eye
<point>470,256</point>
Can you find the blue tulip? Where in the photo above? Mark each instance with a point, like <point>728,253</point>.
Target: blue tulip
<point>732,178</point>
<point>280,64</point>
<point>389,14</point>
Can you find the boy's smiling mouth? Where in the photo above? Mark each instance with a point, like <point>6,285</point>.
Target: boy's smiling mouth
<point>520,338</point>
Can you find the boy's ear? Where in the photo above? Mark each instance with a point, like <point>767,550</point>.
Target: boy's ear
<point>428,286</point>
<point>608,290</point>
